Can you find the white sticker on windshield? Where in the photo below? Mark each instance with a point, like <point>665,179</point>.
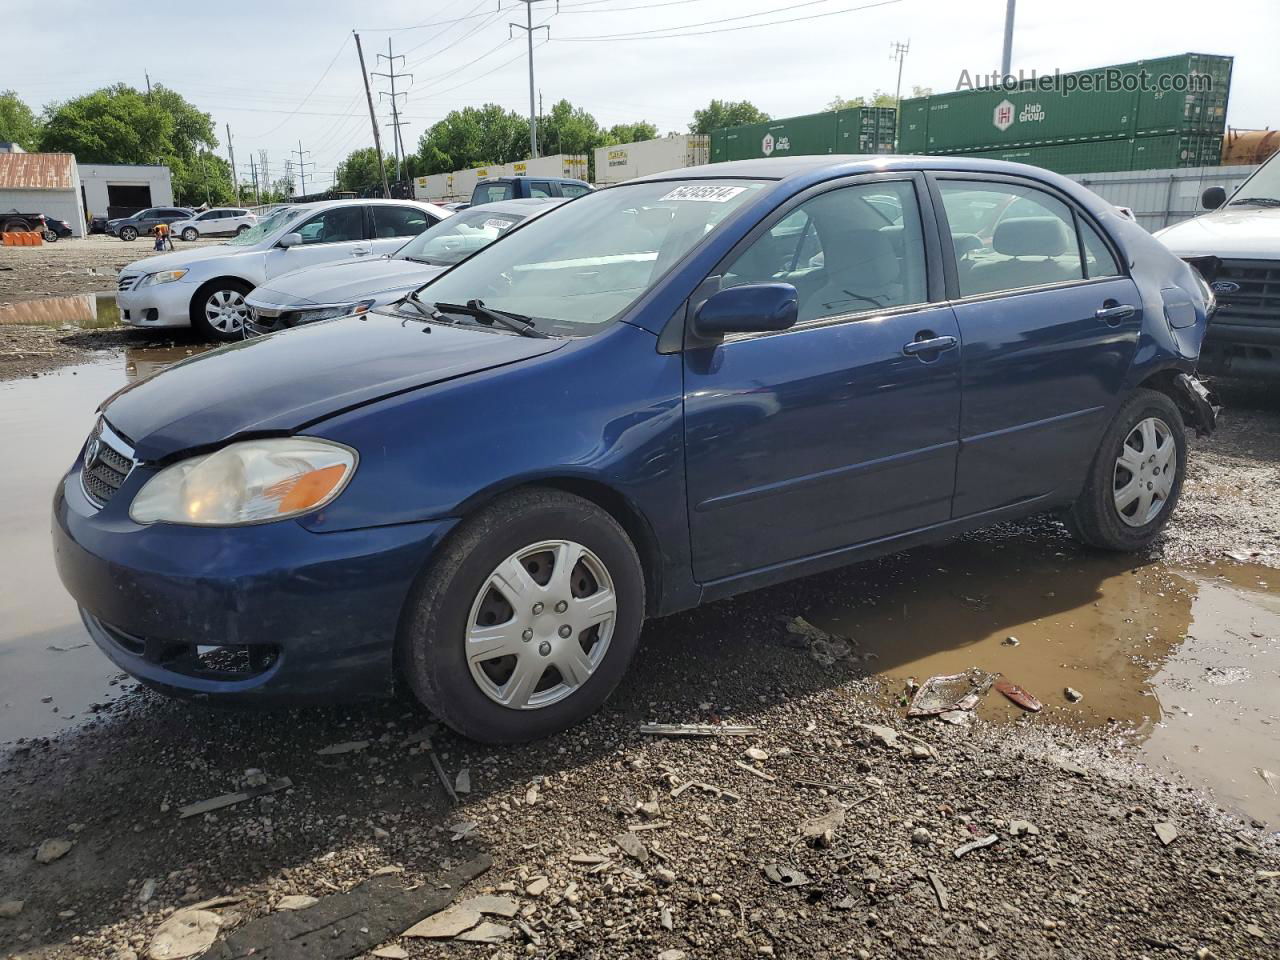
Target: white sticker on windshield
<point>708,194</point>
<point>496,224</point>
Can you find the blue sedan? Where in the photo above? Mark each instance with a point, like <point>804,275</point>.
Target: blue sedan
<point>658,395</point>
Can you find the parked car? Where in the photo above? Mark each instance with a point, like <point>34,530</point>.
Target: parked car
<point>97,224</point>
<point>59,228</point>
<point>456,205</point>
<point>496,189</point>
<point>215,222</point>
<point>15,222</point>
<point>205,287</point>
<point>649,400</point>
<point>1237,246</point>
<point>337,290</point>
<point>144,221</point>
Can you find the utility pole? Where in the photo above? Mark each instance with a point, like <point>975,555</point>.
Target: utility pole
<point>302,167</point>
<point>397,143</point>
<point>257,195</point>
<point>373,119</point>
<point>148,76</point>
<point>899,53</point>
<point>1006,60</point>
<point>528,28</point>
<point>235,174</point>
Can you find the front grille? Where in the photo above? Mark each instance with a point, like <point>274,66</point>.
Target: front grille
<point>1257,301</point>
<point>107,463</point>
<point>128,281</point>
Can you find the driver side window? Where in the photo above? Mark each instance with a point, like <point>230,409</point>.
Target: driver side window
<point>841,253</point>
<point>334,226</point>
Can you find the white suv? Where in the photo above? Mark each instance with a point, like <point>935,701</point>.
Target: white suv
<point>205,287</point>
<point>218,222</point>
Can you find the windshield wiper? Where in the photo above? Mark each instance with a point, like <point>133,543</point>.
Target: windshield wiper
<point>1264,201</point>
<point>424,308</point>
<point>512,321</point>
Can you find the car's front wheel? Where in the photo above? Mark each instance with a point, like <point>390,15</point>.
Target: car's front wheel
<point>241,229</point>
<point>1136,477</point>
<point>527,619</point>
<point>218,310</point>
<point>128,233</point>
<point>189,234</point>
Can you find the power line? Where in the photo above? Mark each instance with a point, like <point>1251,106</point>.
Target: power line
<point>309,92</point>
<point>648,34</point>
<point>397,143</point>
<point>528,29</point>
<point>302,166</point>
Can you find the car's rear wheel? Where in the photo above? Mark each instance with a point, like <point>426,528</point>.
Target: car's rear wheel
<point>218,310</point>
<point>1136,477</point>
<point>50,236</point>
<point>128,233</point>
<point>189,234</point>
<point>527,619</point>
<point>241,229</point>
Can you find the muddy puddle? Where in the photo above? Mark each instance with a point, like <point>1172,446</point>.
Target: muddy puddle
<point>1183,663</point>
<point>50,675</point>
<point>83,311</point>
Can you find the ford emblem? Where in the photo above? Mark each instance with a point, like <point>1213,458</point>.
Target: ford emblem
<point>1225,286</point>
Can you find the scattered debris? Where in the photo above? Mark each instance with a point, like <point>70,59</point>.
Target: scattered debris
<point>786,874</point>
<point>766,777</point>
<point>943,694</point>
<point>494,906</point>
<point>1072,694</point>
<point>1019,696</point>
<point>391,952</point>
<point>972,845</point>
<point>462,829</point>
<point>439,768</point>
<point>588,859</point>
<point>826,648</point>
<point>75,646</point>
<point>537,887</point>
<point>755,753</point>
<point>147,890</point>
<point>53,849</point>
<point>630,844</point>
<point>231,799</point>
<point>350,746</point>
<point>1023,828</point>
<point>487,932</point>
<point>444,925</point>
<point>672,955</point>
<point>710,788</point>
<point>939,891</point>
<point>1269,778</point>
<point>1010,641</point>
<point>886,735</point>
<point>1167,833</point>
<point>462,782</point>
<point>296,902</point>
<point>11,908</point>
<point>823,828</point>
<point>697,730</point>
<point>188,933</point>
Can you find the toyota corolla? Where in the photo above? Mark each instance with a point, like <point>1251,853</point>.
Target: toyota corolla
<point>669,392</point>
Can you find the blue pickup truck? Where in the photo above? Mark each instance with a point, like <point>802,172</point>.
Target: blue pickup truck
<point>518,188</point>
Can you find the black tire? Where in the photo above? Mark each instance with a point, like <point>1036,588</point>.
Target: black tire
<point>190,233</point>
<point>431,647</point>
<point>50,236</point>
<point>1094,518</point>
<point>15,226</point>
<point>200,321</point>
<point>241,229</point>
<point>127,234</point>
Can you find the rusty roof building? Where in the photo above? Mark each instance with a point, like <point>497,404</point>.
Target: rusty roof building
<point>47,183</point>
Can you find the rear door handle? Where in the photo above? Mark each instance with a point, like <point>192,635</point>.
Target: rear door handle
<point>1115,312</point>
<point>928,345</point>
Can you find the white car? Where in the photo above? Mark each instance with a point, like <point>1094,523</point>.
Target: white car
<point>218,222</point>
<point>205,287</point>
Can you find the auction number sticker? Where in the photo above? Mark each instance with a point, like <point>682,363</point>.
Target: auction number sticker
<point>707,194</point>
<point>495,224</point>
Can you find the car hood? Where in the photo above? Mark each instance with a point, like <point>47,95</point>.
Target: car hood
<point>1237,233</point>
<point>345,283</point>
<point>184,258</point>
<point>281,383</point>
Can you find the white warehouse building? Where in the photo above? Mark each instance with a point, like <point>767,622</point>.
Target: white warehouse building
<point>121,189</point>
<point>45,183</point>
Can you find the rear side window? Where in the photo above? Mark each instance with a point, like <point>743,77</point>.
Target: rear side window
<point>1008,236</point>
<point>493,192</point>
<point>398,221</point>
<point>840,254</point>
<point>539,189</point>
<point>1098,260</point>
<point>573,189</point>
<point>334,226</point>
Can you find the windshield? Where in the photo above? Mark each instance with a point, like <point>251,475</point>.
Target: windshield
<point>264,228</point>
<point>456,238</point>
<point>575,271</point>
<point>1264,185</point>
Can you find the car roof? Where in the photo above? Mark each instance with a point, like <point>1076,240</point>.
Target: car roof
<point>531,176</point>
<point>517,206</point>
<point>376,201</point>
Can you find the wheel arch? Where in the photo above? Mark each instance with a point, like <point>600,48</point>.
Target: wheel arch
<point>213,281</point>
<point>609,499</point>
<point>1171,381</point>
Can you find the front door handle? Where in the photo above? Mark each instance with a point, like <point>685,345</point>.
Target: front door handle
<point>361,253</point>
<point>1113,312</point>
<point>928,344</point>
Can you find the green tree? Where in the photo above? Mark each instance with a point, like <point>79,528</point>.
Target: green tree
<point>205,178</point>
<point>359,171</point>
<point>725,113</point>
<point>17,122</point>
<point>569,129</point>
<point>473,137</point>
<point>632,132</point>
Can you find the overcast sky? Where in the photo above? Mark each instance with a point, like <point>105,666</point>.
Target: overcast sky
<point>281,71</point>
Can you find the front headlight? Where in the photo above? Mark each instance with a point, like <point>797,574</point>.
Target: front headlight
<point>164,276</point>
<point>329,313</point>
<point>253,481</point>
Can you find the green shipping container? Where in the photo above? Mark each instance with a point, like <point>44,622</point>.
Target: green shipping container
<point>856,130</point>
<point>992,119</point>
<point>1106,156</point>
<point>1177,150</point>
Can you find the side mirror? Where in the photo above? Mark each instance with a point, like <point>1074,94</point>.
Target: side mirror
<point>751,308</point>
<point>291,240</point>
<point>1213,198</point>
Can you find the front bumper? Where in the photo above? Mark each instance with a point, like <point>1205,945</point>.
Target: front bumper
<point>270,612</point>
<point>1240,350</point>
<point>157,305</point>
